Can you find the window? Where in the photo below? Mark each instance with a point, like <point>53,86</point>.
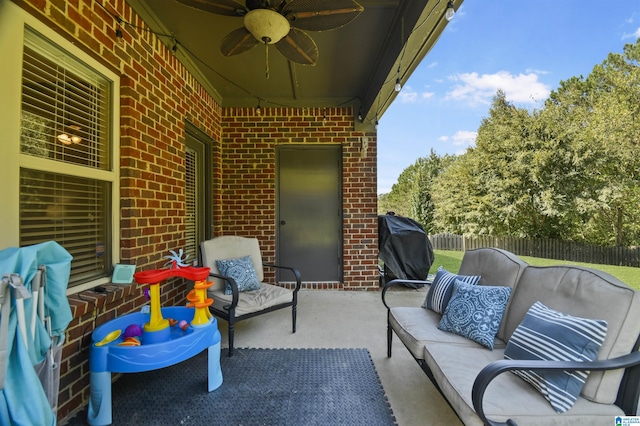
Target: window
<point>67,173</point>
<point>198,189</point>
<point>192,200</point>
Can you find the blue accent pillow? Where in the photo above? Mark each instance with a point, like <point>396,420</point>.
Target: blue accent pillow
<point>545,334</point>
<point>242,271</point>
<point>440,291</point>
<point>475,311</point>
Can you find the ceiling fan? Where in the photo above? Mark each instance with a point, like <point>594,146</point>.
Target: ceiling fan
<point>280,22</point>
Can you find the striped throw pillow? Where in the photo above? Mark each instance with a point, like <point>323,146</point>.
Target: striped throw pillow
<point>545,334</point>
<point>440,292</point>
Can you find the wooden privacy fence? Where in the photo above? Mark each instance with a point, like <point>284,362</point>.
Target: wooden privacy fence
<point>541,247</point>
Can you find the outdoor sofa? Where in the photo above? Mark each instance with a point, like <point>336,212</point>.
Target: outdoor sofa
<point>476,380</point>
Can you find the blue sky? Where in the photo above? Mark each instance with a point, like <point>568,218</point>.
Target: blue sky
<point>524,47</point>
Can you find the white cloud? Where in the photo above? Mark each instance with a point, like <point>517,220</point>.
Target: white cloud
<point>409,95</point>
<point>432,64</point>
<point>634,35</point>
<point>464,138</point>
<point>476,89</point>
<point>461,140</point>
<point>536,71</point>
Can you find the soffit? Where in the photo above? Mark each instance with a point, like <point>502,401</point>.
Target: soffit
<point>357,64</point>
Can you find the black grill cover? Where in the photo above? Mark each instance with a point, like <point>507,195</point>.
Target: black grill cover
<point>404,247</point>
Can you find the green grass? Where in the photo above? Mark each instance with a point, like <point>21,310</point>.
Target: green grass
<point>451,260</point>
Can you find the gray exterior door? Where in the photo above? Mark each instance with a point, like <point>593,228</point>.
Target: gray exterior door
<point>309,211</point>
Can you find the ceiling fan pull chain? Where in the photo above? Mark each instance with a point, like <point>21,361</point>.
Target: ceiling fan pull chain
<point>266,55</point>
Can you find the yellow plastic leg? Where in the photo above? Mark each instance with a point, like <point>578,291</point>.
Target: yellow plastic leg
<point>200,316</point>
<point>198,296</point>
<point>156,321</point>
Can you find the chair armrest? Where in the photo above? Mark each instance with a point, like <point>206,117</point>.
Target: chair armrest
<point>492,370</point>
<point>295,272</point>
<point>398,281</point>
<point>234,289</point>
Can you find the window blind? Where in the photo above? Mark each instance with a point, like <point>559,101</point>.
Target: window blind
<point>64,114</point>
<point>72,211</point>
<point>191,223</point>
<point>66,120</point>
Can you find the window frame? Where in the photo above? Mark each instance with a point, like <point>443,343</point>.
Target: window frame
<point>13,24</point>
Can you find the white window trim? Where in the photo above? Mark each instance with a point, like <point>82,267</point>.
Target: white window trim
<point>13,20</point>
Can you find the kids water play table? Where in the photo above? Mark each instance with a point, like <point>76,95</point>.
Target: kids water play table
<point>179,346</point>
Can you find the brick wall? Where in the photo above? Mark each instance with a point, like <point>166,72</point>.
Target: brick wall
<point>157,96</point>
<point>248,192</point>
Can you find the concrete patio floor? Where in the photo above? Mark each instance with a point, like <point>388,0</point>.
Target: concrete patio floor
<point>346,319</point>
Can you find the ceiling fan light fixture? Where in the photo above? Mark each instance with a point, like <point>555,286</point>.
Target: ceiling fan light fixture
<point>266,25</point>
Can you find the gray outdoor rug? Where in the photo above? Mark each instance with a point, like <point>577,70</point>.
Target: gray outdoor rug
<point>260,387</point>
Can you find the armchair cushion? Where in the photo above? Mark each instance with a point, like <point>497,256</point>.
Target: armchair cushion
<point>545,334</point>
<point>253,301</point>
<point>242,272</point>
<point>440,291</point>
<point>475,312</point>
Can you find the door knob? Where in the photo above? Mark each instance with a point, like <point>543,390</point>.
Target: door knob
<point>282,222</point>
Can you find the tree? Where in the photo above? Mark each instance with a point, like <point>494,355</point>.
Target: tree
<point>494,189</point>
<point>427,170</point>
<point>570,170</point>
<point>411,196</point>
<point>615,94</point>
<point>399,199</point>
<point>599,118</point>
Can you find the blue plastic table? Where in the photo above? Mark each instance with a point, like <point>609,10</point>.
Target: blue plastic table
<point>181,345</point>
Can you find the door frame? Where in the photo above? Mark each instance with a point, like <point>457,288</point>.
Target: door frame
<point>340,230</point>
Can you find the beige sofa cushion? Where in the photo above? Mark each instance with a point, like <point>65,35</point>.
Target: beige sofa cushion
<point>584,293</point>
<point>495,267</point>
<point>417,327</point>
<point>455,371</point>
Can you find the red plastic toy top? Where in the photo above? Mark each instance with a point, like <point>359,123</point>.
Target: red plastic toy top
<point>157,275</point>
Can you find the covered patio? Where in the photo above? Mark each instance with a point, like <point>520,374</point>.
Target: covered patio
<point>323,315</point>
<point>322,318</point>
<point>184,143</point>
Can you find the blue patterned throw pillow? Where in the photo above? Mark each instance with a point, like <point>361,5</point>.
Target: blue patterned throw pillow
<point>475,311</point>
<point>545,334</point>
<point>242,271</point>
<point>440,291</point>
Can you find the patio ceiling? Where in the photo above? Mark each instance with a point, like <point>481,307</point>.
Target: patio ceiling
<point>357,64</point>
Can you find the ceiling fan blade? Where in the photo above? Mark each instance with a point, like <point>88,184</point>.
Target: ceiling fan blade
<point>298,47</point>
<point>237,41</point>
<point>219,7</point>
<point>264,4</point>
<point>314,15</point>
